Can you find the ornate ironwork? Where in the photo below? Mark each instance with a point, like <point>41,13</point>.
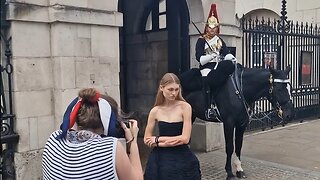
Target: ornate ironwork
<point>6,113</point>
<point>8,137</point>
<point>5,129</point>
<point>283,24</point>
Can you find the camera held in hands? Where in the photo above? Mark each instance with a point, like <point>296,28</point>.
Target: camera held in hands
<point>126,122</point>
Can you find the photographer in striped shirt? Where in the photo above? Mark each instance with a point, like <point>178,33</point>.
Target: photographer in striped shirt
<point>84,148</point>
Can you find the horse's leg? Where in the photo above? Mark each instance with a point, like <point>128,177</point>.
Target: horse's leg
<point>228,136</point>
<point>238,143</point>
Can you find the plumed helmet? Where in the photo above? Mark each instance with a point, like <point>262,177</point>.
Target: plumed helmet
<point>213,20</point>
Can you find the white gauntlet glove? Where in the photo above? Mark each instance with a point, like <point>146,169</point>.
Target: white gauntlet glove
<point>213,55</point>
<point>206,58</point>
<point>230,57</point>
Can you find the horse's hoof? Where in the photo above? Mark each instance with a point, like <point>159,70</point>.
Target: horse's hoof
<point>231,177</point>
<point>241,175</point>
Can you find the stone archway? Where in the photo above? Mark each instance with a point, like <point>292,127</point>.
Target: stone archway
<point>261,12</point>
<point>147,53</point>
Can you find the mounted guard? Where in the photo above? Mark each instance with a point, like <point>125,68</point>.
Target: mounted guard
<point>211,51</point>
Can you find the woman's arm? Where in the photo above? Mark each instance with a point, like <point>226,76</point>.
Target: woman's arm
<point>128,168</point>
<point>148,138</point>
<point>187,122</point>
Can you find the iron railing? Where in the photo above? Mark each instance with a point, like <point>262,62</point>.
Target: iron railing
<point>293,44</point>
<point>8,137</point>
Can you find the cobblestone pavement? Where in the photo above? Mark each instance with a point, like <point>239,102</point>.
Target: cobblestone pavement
<point>212,168</point>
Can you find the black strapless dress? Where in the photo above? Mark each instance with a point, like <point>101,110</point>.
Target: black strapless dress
<point>172,163</point>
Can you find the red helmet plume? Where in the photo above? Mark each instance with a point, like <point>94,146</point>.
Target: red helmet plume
<point>213,20</point>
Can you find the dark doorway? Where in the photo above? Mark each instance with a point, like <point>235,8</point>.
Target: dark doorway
<point>154,40</point>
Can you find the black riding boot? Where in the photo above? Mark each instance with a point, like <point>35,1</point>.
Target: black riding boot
<point>211,109</point>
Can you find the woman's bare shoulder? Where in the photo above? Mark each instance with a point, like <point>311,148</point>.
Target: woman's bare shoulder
<point>154,110</point>
<point>185,105</point>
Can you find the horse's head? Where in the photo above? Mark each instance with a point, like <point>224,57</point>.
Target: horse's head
<point>280,93</point>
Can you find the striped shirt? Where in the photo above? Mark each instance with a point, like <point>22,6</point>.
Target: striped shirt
<point>93,159</point>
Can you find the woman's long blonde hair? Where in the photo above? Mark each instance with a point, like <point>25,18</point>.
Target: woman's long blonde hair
<point>168,78</point>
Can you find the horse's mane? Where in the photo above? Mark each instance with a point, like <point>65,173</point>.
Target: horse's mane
<point>249,77</point>
<point>255,73</point>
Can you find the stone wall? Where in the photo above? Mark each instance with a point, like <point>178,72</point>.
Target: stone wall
<point>58,48</point>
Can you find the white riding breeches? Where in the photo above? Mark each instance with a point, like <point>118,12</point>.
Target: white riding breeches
<point>205,72</point>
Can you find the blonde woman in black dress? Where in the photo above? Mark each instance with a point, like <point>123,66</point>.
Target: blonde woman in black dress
<point>170,157</point>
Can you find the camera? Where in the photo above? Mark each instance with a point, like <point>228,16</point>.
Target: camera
<point>126,122</point>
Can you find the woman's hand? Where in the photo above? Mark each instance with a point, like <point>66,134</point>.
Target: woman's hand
<point>129,168</point>
<point>150,141</point>
<point>127,133</point>
<point>134,129</point>
<point>131,133</point>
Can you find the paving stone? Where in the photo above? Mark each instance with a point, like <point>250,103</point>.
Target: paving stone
<point>212,168</point>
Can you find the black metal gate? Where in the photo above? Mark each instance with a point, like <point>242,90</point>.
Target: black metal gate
<point>286,43</point>
<point>8,137</point>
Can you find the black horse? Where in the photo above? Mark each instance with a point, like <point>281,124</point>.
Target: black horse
<point>232,99</point>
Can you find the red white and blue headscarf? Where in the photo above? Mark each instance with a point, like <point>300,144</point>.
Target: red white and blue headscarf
<point>107,116</point>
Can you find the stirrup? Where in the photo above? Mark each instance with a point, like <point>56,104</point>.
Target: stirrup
<point>211,114</point>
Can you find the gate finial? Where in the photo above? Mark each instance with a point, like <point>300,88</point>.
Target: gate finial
<point>283,24</point>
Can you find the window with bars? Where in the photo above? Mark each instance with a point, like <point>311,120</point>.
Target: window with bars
<point>263,42</point>
<point>157,18</point>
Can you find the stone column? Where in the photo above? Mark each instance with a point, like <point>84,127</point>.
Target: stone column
<point>206,136</point>
<point>58,48</point>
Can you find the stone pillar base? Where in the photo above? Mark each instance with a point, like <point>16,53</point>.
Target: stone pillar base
<point>206,136</point>
<point>28,165</point>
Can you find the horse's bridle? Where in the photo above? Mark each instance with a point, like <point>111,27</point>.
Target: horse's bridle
<point>276,104</point>
<point>274,101</point>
